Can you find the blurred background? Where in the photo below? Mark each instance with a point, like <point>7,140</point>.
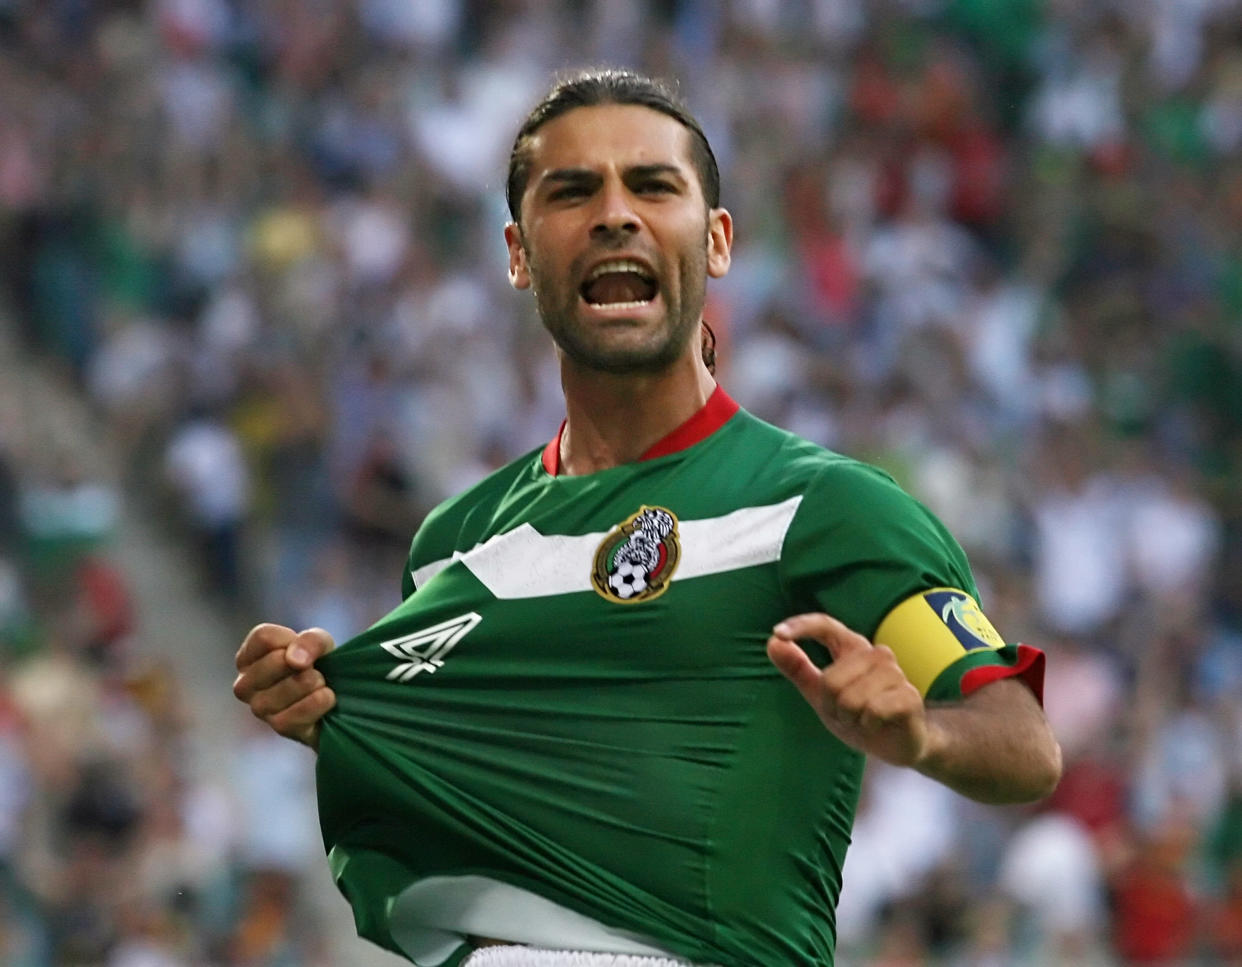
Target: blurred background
<point>254,322</point>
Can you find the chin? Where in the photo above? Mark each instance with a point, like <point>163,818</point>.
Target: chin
<point>623,361</point>
<point>620,344</point>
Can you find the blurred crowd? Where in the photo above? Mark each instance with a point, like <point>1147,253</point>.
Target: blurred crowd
<point>989,245</point>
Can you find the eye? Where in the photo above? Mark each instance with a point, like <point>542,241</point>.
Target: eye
<point>568,193</point>
<point>657,186</point>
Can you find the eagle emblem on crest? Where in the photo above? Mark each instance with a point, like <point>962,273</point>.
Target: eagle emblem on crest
<point>636,559</point>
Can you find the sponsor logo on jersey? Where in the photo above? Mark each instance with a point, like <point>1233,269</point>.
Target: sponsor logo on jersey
<point>964,618</point>
<point>424,650</point>
<point>636,559</point>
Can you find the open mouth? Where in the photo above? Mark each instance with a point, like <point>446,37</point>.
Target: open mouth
<point>619,284</point>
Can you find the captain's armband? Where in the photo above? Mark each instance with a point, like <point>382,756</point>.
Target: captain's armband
<point>933,631</point>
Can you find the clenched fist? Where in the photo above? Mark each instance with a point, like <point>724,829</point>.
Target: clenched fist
<point>276,677</point>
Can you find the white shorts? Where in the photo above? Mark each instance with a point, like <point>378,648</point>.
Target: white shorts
<point>519,956</point>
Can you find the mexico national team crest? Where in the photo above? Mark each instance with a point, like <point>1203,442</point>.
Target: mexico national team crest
<point>636,560</point>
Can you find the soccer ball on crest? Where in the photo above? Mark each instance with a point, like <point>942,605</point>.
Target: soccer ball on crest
<point>628,580</point>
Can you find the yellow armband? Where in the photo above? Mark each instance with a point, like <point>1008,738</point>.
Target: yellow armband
<point>931,630</point>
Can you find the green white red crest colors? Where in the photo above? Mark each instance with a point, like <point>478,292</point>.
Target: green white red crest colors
<point>636,560</point>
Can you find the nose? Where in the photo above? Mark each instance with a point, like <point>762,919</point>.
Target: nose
<point>615,215</point>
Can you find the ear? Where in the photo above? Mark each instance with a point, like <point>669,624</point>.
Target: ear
<point>519,272</point>
<point>719,242</point>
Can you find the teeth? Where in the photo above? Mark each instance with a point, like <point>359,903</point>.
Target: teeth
<point>618,265</point>
<point>621,305</point>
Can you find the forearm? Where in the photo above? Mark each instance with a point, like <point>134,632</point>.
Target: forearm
<point>995,746</point>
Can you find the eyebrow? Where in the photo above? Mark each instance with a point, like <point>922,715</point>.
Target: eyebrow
<point>647,171</point>
<point>565,175</point>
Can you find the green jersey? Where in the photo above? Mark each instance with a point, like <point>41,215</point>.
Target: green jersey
<point>573,705</point>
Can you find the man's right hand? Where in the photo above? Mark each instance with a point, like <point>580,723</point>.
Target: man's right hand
<point>276,677</point>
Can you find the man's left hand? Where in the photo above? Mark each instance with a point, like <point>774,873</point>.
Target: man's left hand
<point>863,697</point>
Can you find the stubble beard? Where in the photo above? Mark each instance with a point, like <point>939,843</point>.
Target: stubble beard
<point>591,348</point>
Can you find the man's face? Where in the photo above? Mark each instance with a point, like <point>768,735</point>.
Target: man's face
<point>616,239</point>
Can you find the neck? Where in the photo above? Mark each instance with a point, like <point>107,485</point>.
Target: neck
<point>611,419</point>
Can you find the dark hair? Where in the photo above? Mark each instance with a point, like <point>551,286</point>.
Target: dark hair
<point>707,346</point>
<point>595,87</point>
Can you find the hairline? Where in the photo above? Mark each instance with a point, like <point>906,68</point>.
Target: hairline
<point>603,89</point>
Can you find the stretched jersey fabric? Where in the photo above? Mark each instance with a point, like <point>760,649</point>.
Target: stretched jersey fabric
<point>573,705</point>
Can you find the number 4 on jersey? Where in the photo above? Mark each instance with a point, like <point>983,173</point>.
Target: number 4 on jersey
<point>424,651</point>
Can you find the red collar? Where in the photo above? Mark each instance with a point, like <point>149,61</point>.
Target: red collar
<point>713,415</point>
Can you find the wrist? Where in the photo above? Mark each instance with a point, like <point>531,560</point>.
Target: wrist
<point>930,758</point>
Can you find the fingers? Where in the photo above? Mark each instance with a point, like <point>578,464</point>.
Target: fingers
<point>846,689</point>
<point>278,681</point>
<point>308,647</point>
<point>262,639</point>
<point>286,692</point>
<point>303,648</point>
<point>863,697</point>
<point>794,663</point>
<point>827,630</point>
<point>850,653</point>
<point>879,695</point>
<point>897,703</point>
<point>262,674</point>
<point>300,721</point>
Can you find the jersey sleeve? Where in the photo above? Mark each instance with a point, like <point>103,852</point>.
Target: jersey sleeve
<point>948,648</point>
<point>412,565</point>
<point>864,551</point>
<point>430,550</point>
<point>456,525</point>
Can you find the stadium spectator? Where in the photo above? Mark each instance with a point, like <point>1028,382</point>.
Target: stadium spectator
<point>173,175</point>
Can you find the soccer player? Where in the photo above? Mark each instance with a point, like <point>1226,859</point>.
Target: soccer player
<point>576,740</point>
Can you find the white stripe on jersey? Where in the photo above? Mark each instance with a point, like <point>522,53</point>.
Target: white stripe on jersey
<point>523,563</point>
<point>511,956</point>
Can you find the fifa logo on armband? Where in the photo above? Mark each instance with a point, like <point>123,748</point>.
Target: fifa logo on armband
<point>963,617</point>
<point>638,557</point>
<point>424,651</point>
